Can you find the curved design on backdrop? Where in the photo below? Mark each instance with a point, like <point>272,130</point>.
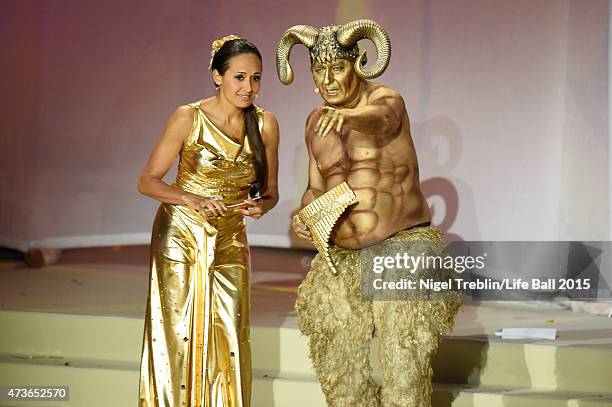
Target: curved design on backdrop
<point>445,189</point>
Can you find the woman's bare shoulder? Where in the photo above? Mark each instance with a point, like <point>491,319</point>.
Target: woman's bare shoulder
<point>270,127</point>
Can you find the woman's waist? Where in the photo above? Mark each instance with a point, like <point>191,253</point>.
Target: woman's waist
<point>229,193</point>
<point>185,215</point>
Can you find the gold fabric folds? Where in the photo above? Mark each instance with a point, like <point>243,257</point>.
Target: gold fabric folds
<point>196,350</point>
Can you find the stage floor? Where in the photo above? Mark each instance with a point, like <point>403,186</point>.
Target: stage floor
<point>113,281</point>
<point>79,322</point>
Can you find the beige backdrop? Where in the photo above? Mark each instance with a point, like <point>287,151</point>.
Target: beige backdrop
<point>508,102</point>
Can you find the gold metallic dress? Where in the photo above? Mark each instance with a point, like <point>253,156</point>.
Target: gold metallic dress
<point>196,350</point>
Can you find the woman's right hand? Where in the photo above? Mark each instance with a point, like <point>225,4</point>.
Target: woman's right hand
<point>300,228</point>
<point>206,206</point>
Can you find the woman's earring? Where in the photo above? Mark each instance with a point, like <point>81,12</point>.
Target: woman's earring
<point>316,90</point>
<point>256,95</point>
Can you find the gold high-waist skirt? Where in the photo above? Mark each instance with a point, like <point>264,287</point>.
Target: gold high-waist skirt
<point>196,350</point>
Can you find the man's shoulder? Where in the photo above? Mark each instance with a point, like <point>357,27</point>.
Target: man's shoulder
<point>315,111</point>
<point>379,91</point>
<point>312,116</point>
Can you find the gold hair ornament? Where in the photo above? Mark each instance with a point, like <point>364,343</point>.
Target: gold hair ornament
<point>217,44</point>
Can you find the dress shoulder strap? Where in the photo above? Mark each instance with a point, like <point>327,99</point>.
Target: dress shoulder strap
<point>195,105</point>
<point>196,125</point>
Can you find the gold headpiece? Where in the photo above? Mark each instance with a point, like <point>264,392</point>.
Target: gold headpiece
<point>322,214</point>
<point>217,44</point>
<point>335,42</point>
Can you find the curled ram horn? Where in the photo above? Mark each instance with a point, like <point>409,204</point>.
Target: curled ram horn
<point>357,30</point>
<point>298,34</point>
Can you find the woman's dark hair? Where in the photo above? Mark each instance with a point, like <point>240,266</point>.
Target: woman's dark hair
<point>220,62</point>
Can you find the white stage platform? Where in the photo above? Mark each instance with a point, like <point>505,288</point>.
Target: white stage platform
<point>79,324</point>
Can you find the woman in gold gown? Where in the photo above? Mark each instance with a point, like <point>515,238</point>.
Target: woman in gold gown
<point>196,350</point>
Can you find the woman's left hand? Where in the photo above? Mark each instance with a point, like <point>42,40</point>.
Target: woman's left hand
<point>252,208</point>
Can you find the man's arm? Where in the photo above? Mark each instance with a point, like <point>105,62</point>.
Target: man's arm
<point>382,116</point>
<point>316,183</point>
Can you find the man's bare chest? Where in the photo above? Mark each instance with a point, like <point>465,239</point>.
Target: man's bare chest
<point>343,152</point>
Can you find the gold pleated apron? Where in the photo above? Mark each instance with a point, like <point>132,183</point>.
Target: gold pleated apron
<point>196,350</point>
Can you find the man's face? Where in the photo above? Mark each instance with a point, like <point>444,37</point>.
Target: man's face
<point>337,82</point>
